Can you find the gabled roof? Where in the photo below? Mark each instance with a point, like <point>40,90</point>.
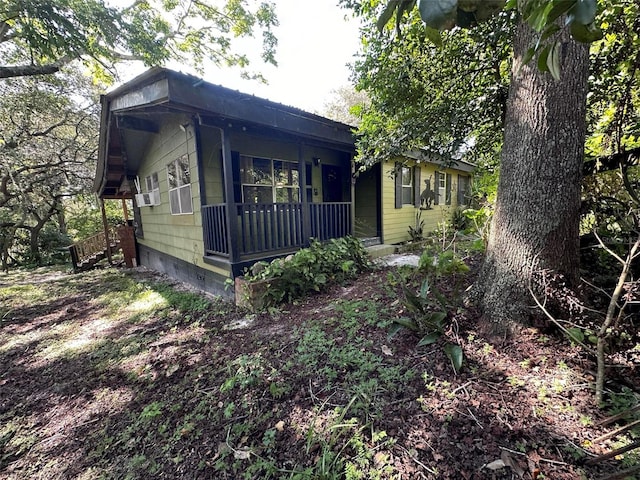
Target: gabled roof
<point>132,112</point>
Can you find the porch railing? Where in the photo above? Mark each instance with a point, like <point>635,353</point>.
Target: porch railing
<point>214,225</point>
<point>330,220</point>
<point>91,249</point>
<point>269,227</point>
<point>265,227</point>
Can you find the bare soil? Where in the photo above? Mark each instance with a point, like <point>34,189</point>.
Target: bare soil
<point>94,383</point>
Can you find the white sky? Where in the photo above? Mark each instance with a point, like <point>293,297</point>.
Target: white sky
<point>315,44</point>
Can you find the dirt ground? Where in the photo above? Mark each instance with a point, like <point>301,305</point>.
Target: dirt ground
<point>108,374</point>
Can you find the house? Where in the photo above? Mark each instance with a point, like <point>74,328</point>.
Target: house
<point>392,195</point>
<point>221,179</point>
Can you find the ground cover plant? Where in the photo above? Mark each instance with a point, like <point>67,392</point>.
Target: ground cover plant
<point>122,374</point>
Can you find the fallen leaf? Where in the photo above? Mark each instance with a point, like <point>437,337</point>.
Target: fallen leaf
<point>511,462</point>
<point>495,465</point>
<point>242,453</point>
<point>387,351</point>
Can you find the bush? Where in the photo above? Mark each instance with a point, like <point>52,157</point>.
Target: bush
<point>310,269</point>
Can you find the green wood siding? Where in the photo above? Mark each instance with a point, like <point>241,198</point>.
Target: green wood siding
<point>179,236</point>
<point>396,221</point>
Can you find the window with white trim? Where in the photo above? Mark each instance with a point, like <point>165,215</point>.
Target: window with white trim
<point>442,186</point>
<point>266,180</point>
<point>152,182</point>
<point>179,180</point>
<point>407,186</point>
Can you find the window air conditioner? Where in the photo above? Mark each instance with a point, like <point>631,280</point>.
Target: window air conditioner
<point>148,199</point>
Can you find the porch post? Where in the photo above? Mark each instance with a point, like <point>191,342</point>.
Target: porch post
<point>231,217</point>
<point>302,181</point>
<point>105,227</point>
<point>125,210</point>
<point>352,205</point>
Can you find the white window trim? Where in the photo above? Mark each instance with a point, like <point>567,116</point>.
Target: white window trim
<point>180,187</point>
<point>409,186</point>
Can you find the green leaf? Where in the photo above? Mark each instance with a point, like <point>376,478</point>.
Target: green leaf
<point>455,354</point>
<point>557,10</point>
<point>575,334</point>
<point>553,60</point>
<point>528,55</point>
<point>387,14</point>
<point>436,319</point>
<point>438,14</point>
<point>429,339</point>
<point>424,289</point>
<point>550,30</point>
<point>542,59</point>
<point>434,36</point>
<point>538,18</point>
<point>395,328</point>
<point>585,33</point>
<point>584,11</point>
<point>406,323</point>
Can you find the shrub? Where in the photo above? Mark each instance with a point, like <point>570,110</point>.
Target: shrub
<point>310,269</point>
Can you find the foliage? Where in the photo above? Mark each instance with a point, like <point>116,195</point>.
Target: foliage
<point>84,218</point>
<point>311,269</point>
<point>429,308</point>
<point>614,100</point>
<point>416,233</point>
<point>345,105</point>
<point>48,141</point>
<point>445,101</point>
<point>443,264</point>
<point>41,36</point>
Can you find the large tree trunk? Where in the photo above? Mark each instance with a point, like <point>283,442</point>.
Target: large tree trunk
<point>536,220</point>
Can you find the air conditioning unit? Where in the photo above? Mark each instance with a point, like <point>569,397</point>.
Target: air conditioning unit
<point>148,199</point>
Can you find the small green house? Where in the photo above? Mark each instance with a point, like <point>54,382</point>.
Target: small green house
<point>390,195</point>
<point>221,179</point>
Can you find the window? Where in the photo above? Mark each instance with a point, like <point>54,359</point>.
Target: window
<point>151,182</point>
<point>443,188</point>
<point>442,185</point>
<point>267,180</point>
<point>179,180</point>
<point>407,186</point>
<point>464,190</point>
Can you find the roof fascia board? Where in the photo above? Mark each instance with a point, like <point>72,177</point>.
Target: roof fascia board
<point>151,94</point>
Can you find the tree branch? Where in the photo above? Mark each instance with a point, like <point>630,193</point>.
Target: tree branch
<point>33,70</point>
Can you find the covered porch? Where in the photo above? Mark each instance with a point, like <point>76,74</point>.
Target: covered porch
<point>258,229</point>
<point>266,193</point>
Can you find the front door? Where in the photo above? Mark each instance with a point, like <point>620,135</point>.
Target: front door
<point>331,183</point>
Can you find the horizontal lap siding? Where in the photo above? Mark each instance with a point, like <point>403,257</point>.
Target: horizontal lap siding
<point>396,221</point>
<point>178,236</point>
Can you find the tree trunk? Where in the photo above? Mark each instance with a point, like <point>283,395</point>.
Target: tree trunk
<point>536,220</point>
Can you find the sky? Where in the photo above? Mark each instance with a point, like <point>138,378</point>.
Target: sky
<point>315,44</point>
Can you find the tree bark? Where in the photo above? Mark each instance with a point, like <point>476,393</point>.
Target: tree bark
<point>536,220</point>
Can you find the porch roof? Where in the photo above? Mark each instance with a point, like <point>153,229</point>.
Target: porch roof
<point>132,113</point>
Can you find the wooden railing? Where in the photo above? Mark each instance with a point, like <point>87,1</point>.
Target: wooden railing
<point>214,225</point>
<point>265,227</point>
<point>330,220</point>
<point>91,249</point>
<point>260,228</point>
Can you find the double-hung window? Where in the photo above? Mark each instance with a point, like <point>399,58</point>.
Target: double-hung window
<point>407,186</point>
<point>179,180</point>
